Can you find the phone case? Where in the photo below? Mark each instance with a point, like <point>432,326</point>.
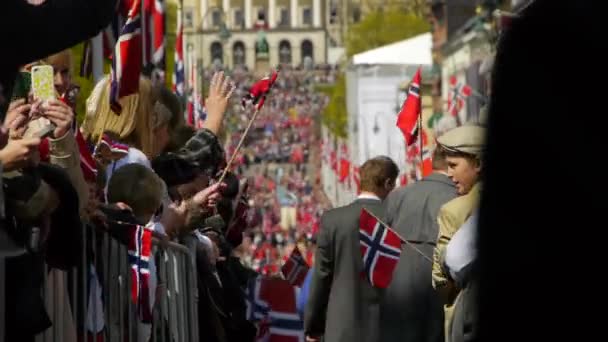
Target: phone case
<point>43,85</point>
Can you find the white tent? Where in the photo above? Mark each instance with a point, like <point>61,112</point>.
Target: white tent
<point>413,51</point>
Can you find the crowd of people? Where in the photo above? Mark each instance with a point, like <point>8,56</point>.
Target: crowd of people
<point>284,195</point>
<point>144,174</point>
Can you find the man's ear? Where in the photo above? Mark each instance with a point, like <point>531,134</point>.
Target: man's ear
<point>478,164</point>
<point>387,183</point>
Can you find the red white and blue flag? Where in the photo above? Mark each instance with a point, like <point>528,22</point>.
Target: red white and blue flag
<point>257,309</point>
<point>258,91</point>
<point>457,96</point>
<point>295,268</point>
<point>283,323</point>
<point>139,254</point>
<point>178,72</point>
<point>411,111</point>
<point>153,31</point>
<point>380,248</point>
<point>127,61</point>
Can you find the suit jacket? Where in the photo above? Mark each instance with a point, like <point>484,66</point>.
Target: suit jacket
<point>411,310</point>
<point>343,306</point>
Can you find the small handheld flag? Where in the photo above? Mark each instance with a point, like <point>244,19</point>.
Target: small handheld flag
<point>295,268</point>
<point>259,90</point>
<point>380,248</point>
<point>127,60</point>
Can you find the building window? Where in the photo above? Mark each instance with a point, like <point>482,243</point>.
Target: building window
<point>188,17</point>
<point>260,21</point>
<point>217,53</point>
<point>307,16</point>
<point>284,17</point>
<point>333,13</point>
<point>216,18</point>
<point>238,53</point>
<point>356,14</point>
<point>285,52</point>
<point>307,53</point>
<point>238,18</point>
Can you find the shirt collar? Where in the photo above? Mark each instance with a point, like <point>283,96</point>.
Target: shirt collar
<point>368,196</point>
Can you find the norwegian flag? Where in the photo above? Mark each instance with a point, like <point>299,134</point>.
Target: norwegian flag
<point>295,268</point>
<point>178,72</point>
<point>127,63</point>
<point>257,309</point>
<point>285,324</point>
<point>158,12</point>
<point>424,162</point>
<point>259,90</point>
<point>200,113</point>
<point>139,253</point>
<point>457,96</point>
<point>380,248</point>
<point>153,31</point>
<point>411,111</point>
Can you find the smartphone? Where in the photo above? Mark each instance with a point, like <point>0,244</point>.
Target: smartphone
<point>43,85</point>
<point>22,87</point>
<point>43,88</point>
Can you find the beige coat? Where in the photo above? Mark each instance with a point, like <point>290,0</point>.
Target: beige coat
<point>451,216</point>
<point>65,154</point>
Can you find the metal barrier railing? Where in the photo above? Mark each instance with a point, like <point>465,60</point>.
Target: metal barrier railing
<point>92,302</point>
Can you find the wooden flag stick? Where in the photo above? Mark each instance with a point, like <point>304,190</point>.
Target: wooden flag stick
<point>240,144</point>
<point>401,237</point>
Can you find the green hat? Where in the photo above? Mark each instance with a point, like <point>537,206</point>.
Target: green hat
<point>464,139</point>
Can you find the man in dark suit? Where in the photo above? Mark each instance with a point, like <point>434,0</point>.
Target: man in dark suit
<point>343,306</point>
<point>411,310</point>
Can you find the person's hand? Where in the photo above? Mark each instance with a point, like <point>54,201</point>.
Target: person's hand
<point>220,90</point>
<point>174,217</point>
<point>19,153</point>
<point>311,339</point>
<point>15,121</point>
<point>61,115</point>
<point>208,197</point>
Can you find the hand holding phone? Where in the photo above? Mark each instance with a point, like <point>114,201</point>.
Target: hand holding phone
<point>43,89</point>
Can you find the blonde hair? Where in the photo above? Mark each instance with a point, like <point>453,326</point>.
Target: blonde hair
<point>65,55</point>
<point>134,126</point>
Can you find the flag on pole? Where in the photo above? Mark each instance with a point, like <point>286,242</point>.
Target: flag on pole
<point>158,43</point>
<point>283,323</point>
<point>126,64</point>
<point>259,90</point>
<point>380,248</point>
<point>457,96</point>
<point>295,268</point>
<point>257,308</point>
<point>139,253</point>
<point>178,72</point>
<point>411,111</point>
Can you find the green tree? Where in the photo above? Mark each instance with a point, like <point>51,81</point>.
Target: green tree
<point>383,27</point>
<point>378,28</point>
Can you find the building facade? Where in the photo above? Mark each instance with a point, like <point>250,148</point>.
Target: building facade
<point>257,33</point>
